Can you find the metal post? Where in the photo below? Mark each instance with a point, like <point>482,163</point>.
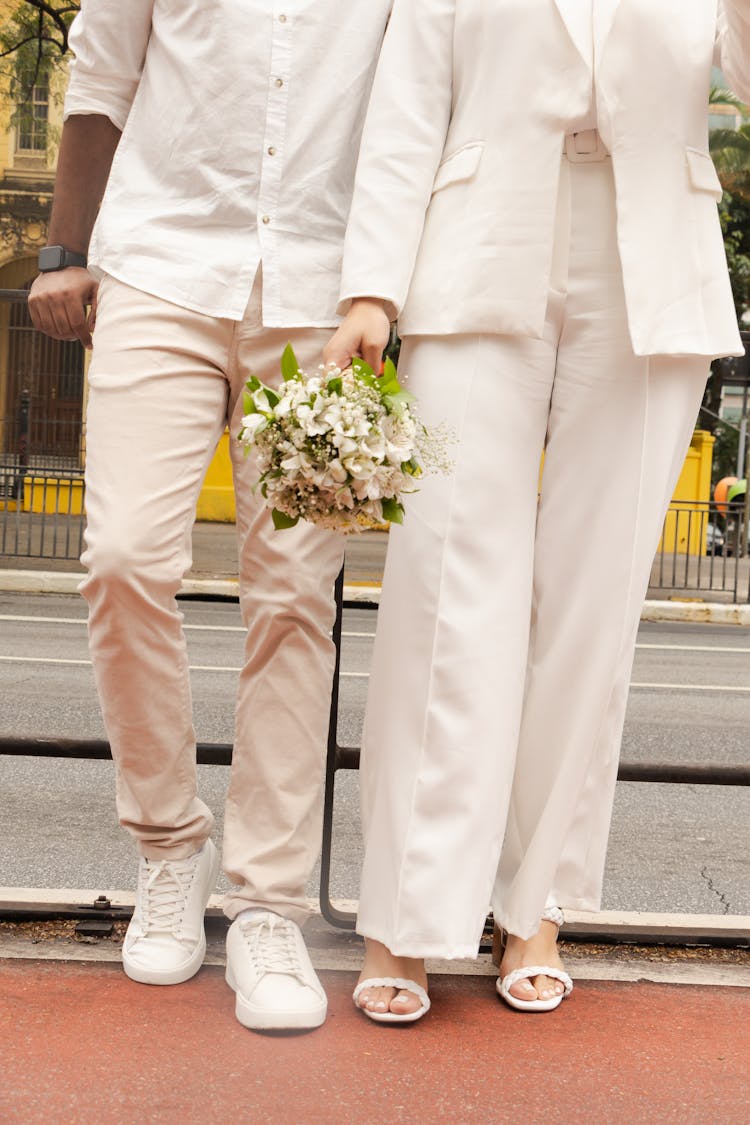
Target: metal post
<point>22,443</point>
<point>24,411</point>
<point>744,547</point>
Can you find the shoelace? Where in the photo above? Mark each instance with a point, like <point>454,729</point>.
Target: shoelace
<point>164,890</point>
<point>273,946</point>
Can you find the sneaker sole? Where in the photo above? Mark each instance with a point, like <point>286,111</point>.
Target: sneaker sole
<point>262,1020</point>
<point>174,976</point>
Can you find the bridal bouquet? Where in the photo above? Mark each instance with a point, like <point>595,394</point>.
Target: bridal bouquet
<point>337,448</point>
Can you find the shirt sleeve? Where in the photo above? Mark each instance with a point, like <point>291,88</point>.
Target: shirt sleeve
<point>108,39</point>
<point>732,52</point>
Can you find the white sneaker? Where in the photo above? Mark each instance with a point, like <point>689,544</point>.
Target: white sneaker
<point>269,968</point>
<point>165,942</point>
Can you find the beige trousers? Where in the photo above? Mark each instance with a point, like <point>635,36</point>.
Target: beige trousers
<point>507,625</point>
<point>163,384</point>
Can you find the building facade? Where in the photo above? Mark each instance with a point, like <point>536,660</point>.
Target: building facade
<point>41,380</point>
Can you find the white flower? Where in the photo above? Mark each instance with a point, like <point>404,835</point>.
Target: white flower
<point>295,464</point>
<point>358,466</point>
<point>250,425</point>
<point>261,400</point>
<point>346,446</point>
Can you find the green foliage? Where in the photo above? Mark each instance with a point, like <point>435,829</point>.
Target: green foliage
<point>725,451</point>
<point>33,45</point>
<point>734,213</point>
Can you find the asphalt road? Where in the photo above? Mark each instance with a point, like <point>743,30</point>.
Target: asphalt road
<point>672,848</point>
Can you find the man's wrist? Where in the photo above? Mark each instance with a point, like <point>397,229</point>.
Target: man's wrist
<point>53,258</point>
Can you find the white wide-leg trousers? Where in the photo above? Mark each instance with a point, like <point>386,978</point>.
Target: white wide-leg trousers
<point>163,384</point>
<point>507,625</point>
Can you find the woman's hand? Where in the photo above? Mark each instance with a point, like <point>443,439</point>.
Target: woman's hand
<point>364,332</point>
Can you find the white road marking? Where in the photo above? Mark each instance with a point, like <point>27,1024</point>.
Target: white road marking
<point>357,635</point>
<point>692,687</point>
<point>57,660</point>
<point>188,627</point>
<point>693,648</point>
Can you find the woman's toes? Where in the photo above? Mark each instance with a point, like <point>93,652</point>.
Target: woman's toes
<point>524,990</point>
<point>548,987</point>
<point>405,1002</point>
<point>379,999</point>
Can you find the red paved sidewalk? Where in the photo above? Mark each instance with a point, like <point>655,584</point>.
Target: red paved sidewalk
<point>79,1043</point>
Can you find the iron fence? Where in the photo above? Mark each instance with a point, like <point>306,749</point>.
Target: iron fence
<point>704,550</point>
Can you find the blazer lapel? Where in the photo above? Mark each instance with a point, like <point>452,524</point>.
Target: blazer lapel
<point>604,14</point>
<point>576,16</point>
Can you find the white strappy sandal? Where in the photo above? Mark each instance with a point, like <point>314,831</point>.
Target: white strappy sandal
<point>402,985</point>
<point>528,972</point>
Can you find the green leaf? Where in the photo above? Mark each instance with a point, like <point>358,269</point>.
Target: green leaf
<point>360,367</point>
<point>389,371</point>
<point>395,403</point>
<point>335,386</point>
<point>392,511</point>
<point>289,365</point>
<point>364,372</point>
<point>282,520</point>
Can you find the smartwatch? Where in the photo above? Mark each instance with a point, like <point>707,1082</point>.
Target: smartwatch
<point>53,258</point>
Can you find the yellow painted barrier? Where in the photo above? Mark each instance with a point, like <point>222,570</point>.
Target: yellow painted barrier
<point>686,523</point>
<point>53,495</point>
<point>216,500</point>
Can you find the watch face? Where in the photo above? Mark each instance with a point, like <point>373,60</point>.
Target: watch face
<point>51,258</point>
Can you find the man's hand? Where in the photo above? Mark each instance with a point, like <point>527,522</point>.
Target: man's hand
<point>62,304</point>
<point>364,332</point>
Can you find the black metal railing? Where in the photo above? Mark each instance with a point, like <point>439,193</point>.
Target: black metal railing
<point>704,550</point>
<point>347,758</point>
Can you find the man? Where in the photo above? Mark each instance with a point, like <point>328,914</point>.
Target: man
<point>223,138</point>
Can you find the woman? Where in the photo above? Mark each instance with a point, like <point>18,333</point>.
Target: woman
<point>536,203</point>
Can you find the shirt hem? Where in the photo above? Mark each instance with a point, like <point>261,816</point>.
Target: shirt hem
<point>219,312</point>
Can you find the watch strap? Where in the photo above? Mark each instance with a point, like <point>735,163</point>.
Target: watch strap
<point>52,258</point>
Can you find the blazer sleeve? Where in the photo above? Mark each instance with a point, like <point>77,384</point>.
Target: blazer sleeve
<point>733,45</point>
<point>402,144</point>
<point>108,39</point>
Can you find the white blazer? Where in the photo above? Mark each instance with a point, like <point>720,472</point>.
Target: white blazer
<point>453,213</point>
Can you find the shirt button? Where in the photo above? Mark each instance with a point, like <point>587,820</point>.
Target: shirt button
<point>271,150</point>
<point>266,219</point>
<point>279,82</point>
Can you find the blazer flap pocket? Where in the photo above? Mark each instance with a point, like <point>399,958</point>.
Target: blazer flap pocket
<point>703,175</point>
<point>460,165</point>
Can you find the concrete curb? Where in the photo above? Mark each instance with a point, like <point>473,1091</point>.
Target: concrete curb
<point>341,950</point>
<point>66,582</point>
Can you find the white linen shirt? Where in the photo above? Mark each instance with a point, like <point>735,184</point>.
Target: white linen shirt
<point>241,121</point>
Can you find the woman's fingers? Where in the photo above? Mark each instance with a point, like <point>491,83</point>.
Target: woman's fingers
<point>364,332</point>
